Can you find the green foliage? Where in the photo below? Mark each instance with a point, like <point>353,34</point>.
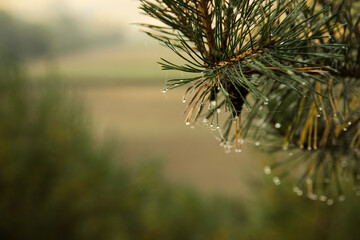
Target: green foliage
<point>21,40</point>
<point>56,184</point>
<point>293,65</point>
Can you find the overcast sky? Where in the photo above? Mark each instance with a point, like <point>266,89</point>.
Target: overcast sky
<point>109,12</point>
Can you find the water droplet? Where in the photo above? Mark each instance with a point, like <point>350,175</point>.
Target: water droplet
<point>290,154</point>
<point>271,34</point>
<point>281,43</point>
<point>187,123</point>
<point>260,108</point>
<point>192,127</point>
<point>309,181</point>
<point>345,129</point>
<point>285,147</point>
<point>266,103</point>
<point>320,108</point>
<point>184,100</point>
<point>300,193</point>
<point>213,103</point>
<point>277,125</point>
<point>205,120</point>
<point>344,164</point>
<point>218,110</point>
<point>296,189</point>
<point>257,143</point>
<point>276,180</point>
<point>330,202</point>
<point>164,90</point>
<point>341,198</point>
<point>312,196</point>
<point>349,123</point>
<point>303,83</point>
<point>267,170</point>
<point>238,150</point>
<point>290,72</point>
<point>335,115</point>
<point>309,148</point>
<point>318,115</point>
<point>322,198</point>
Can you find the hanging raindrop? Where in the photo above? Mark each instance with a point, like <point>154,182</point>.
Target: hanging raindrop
<point>241,140</point>
<point>330,202</point>
<point>322,198</point>
<point>277,125</point>
<point>344,164</point>
<point>276,180</point>
<point>341,198</point>
<point>267,170</point>
<point>312,196</point>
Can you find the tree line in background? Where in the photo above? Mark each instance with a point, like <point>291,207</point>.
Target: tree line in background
<point>64,33</point>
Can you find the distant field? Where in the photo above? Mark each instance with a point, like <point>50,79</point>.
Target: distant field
<point>149,123</point>
<point>121,86</point>
<point>124,64</point>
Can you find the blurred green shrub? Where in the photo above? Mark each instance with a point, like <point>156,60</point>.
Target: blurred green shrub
<point>21,40</point>
<point>55,183</point>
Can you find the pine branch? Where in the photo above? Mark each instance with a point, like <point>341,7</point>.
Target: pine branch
<point>299,61</point>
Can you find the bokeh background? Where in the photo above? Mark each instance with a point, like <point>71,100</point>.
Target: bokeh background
<point>90,147</point>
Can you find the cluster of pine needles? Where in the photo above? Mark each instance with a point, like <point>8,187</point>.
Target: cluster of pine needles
<point>282,74</point>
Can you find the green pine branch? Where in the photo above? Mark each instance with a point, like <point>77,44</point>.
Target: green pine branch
<point>291,65</point>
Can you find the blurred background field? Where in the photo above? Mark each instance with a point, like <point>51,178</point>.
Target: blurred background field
<point>92,149</point>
